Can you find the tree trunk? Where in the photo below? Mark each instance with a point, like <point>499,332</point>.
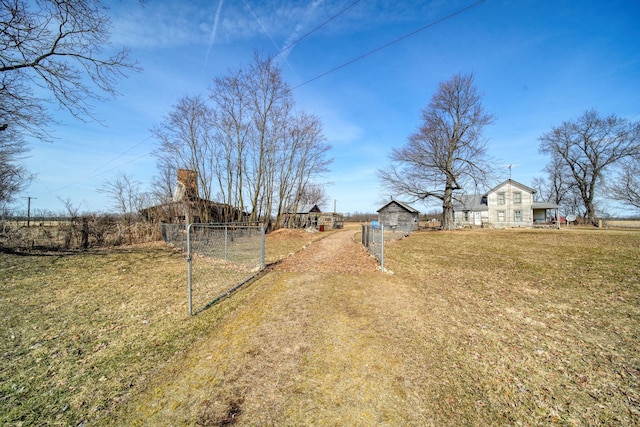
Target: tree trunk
<point>447,210</point>
<point>447,218</point>
<point>591,212</point>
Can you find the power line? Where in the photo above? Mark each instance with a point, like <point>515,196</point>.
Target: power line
<point>412,33</point>
<point>95,173</point>
<point>290,45</point>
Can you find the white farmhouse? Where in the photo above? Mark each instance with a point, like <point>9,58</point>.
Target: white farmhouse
<point>509,204</point>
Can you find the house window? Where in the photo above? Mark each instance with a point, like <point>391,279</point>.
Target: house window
<point>517,198</point>
<point>517,216</point>
<point>466,216</point>
<point>501,215</point>
<point>501,198</point>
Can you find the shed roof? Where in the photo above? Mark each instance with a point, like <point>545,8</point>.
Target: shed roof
<point>401,204</point>
<point>305,209</point>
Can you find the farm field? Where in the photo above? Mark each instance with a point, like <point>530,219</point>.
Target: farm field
<point>475,327</point>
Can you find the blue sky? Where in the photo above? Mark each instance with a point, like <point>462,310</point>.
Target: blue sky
<point>538,63</point>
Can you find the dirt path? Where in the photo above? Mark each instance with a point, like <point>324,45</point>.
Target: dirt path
<point>337,253</point>
<point>316,343</point>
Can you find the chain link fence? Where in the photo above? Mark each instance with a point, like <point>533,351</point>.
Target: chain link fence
<point>220,258</point>
<point>374,236</point>
<point>175,235</point>
<point>373,240</point>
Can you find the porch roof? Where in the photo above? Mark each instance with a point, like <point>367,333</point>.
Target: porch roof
<point>544,205</point>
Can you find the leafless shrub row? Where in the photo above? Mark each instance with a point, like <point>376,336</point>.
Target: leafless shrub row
<point>78,233</point>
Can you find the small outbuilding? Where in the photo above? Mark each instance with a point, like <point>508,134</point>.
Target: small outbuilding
<point>304,217</point>
<point>400,216</point>
<point>310,216</point>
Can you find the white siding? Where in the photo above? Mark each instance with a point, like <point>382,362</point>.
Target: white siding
<point>504,214</point>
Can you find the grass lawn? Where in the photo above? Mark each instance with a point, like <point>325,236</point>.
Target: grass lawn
<point>487,327</point>
<point>81,332</point>
<point>529,327</point>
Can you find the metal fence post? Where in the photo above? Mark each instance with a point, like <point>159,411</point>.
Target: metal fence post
<point>262,249</point>
<point>382,247</point>
<point>189,268</point>
<point>226,237</point>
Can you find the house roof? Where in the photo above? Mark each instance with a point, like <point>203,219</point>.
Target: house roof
<point>402,205</point>
<point>469,203</point>
<point>515,184</point>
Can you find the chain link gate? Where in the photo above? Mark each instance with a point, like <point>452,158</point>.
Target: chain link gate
<point>220,259</point>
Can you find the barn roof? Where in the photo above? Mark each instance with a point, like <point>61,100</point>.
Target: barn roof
<point>304,209</point>
<point>402,205</point>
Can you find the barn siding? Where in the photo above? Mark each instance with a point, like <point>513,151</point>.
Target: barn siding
<point>394,215</point>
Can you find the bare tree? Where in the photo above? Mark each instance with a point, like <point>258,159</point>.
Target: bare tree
<point>125,194</point>
<point>587,147</point>
<point>251,148</point>
<point>271,106</point>
<point>314,195</point>
<point>127,198</point>
<point>447,153</point>
<point>625,186</point>
<point>185,141</point>
<point>232,111</point>
<point>55,47</point>
<point>557,187</point>
<point>265,150</point>
<point>14,176</point>
<point>303,158</point>
<point>164,182</point>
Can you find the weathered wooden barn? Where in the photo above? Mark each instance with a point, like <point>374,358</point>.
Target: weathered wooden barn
<point>192,211</point>
<point>397,215</point>
<point>187,207</point>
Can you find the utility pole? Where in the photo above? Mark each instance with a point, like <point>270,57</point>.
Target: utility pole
<point>29,209</point>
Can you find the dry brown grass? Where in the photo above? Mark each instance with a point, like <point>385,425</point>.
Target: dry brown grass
<point>82,331</point>
<point>498,327</point>
<point>622,223</point>
<point>531,327</point>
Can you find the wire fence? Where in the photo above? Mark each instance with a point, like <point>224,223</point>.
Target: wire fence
<point>220,258</point>
<point>61,233</point>
<point>175,235</point>
<point>372,239</point>
<point>374,236</point>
